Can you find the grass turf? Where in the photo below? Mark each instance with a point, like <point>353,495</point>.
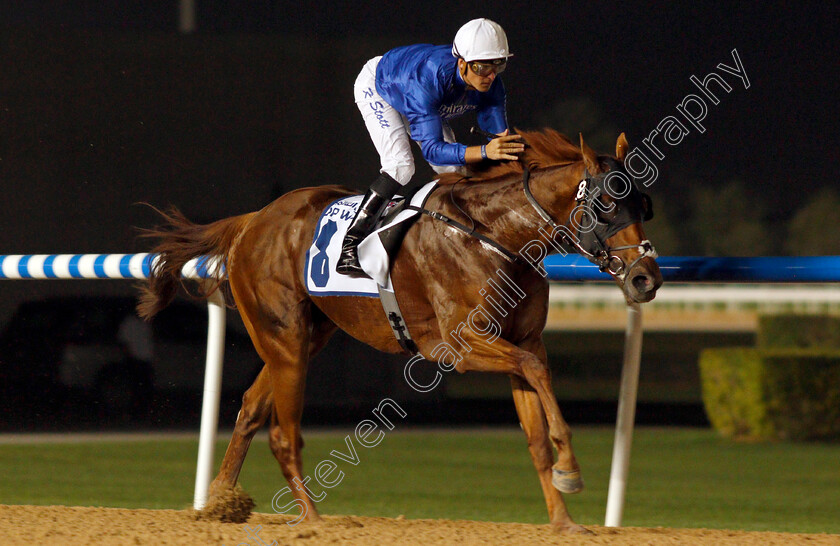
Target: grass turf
<point>678,478</point>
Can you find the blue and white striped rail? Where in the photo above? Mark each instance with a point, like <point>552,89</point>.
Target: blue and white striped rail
<point>97,266</point>
<point>694,269</point>
<point>765,269</point>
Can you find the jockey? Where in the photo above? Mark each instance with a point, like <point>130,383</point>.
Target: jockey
<point>410,93</point>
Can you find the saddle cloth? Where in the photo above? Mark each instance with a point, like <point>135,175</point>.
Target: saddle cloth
<point>322,256</point>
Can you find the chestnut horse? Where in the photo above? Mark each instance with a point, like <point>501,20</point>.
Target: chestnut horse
<point>438,276</point>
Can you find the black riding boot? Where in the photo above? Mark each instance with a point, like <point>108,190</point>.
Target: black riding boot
<point>371,207</point>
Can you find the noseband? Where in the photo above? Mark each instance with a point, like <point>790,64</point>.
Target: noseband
<point>598,251</point>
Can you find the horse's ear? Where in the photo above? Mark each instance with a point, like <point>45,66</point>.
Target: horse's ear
<point>621,147</point>
<point>590,158</point>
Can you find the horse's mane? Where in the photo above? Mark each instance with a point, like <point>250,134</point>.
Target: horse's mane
<point>546,148</point>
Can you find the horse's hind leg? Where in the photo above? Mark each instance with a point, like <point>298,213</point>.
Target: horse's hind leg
<point>256,407</point>
<point>532,417</point>
<point>282,335</point>
<point>322,331</point>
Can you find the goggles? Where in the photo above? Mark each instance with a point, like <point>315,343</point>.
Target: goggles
<point>485,68</point>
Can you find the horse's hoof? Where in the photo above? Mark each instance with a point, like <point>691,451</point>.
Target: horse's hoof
<point>572,529</point>
<point>313,517</point>
<point>567,481</point>
<point>231,505</point>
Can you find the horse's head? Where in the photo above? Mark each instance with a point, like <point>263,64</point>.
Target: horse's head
<point>590,201</point>
<point>609,212</point>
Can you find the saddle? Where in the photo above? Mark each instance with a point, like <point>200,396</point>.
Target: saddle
<point>379,249</point>
<point>376,254</point>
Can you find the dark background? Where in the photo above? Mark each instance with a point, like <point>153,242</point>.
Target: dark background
<point>104,105</point>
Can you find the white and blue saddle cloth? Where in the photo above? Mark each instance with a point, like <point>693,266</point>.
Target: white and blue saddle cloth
<point>321,258</point>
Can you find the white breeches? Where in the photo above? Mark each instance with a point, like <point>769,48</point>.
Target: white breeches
<point>389,129</point>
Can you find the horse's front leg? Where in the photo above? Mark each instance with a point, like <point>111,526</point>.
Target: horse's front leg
<point>532,417</point>
<point>566,472</point>
<point>497,355</point>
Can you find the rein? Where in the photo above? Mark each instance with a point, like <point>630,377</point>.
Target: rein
<point>488,242</point>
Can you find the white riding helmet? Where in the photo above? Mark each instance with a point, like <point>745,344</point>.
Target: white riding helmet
<point>479,40</point>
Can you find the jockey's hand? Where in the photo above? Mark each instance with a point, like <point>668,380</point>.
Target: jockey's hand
<point>505,146</point>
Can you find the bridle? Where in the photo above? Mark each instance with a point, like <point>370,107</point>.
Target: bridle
<point>598,251</point>
<point>590,243</point>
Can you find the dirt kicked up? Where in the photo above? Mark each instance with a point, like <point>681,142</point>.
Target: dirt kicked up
<point>31,525</point>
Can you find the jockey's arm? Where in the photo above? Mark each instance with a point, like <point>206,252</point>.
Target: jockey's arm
<point>436,151</point>
<point>427,128</point>
<point>491,115</point>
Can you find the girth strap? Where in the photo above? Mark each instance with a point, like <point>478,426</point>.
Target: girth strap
<point>396,321</point>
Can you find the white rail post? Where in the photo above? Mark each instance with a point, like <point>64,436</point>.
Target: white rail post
<point>626,416</point>
<point>212,394</point>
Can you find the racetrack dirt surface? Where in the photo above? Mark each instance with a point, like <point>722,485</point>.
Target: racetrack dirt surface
<point>72,526</point>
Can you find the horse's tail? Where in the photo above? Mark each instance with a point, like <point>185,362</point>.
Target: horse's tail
<point>179,241</point>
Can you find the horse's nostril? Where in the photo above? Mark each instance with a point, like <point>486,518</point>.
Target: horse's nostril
<point>641,283</point>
